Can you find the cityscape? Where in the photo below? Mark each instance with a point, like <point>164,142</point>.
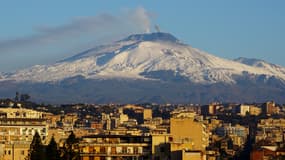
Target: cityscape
<point>142,131</point>
<point>142,80</point>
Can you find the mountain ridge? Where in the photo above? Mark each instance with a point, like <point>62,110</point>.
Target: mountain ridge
<point>153,60</point>
<point>138,54</point>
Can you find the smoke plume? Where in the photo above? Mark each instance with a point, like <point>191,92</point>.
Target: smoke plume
<point>47,41</point>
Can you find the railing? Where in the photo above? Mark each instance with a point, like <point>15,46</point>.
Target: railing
<point>114,154</point>
<point>114,144</point>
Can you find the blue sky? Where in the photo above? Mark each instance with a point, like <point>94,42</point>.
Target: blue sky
<point>42,32</point>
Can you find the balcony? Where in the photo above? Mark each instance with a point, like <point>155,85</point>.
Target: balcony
<point>104,154</point>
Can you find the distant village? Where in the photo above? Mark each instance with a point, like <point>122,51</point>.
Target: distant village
<point>217,131</point>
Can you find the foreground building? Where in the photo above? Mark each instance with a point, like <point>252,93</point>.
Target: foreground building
<point>109,147</point>
<point>17,128</point>
<point>188,133</point>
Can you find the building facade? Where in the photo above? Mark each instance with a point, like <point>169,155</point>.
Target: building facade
<point>110,147</point>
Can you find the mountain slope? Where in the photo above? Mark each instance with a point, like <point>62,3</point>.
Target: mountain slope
<point>141,56</point>
<point>148,67</point>
<point>268,67</point>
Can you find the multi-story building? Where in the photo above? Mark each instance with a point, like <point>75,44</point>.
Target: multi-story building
<point>270,108</point>
<point>271,130</point>
<point>68,121</point>
<point>254,110</point>
<point>267,153</point>
<point>147,114</point>
<point>15,150</point>
<point>188,132</point>
<point>17,128</point>
<point>210,109</point>
<point>53,120</point>
<point>243,109</point>
<point>237,133</point>
<point>115,147</point>
<point>248,109</point>
<point>18,124</point>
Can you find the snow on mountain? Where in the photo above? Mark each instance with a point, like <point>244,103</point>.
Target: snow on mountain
<point>137,55</point>
<point>269,67</point>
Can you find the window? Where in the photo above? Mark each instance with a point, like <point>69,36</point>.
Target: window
<point>124,149</point>
<point>102,150</point>
<point>136,150</point>
<point>22,152</point>
<point>146,139</point>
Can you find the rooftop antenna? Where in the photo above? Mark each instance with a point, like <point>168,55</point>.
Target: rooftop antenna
<point>157,28</point>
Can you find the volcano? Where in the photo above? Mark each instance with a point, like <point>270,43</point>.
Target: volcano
<point>153,68</point>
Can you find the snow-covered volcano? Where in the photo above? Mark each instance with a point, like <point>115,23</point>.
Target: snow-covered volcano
<point>154,67</point>
<point>146,56</point>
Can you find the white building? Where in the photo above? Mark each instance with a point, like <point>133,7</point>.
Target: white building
<point>244,109</point>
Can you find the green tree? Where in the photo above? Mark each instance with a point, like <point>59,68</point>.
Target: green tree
<point>36,151</point>
<point>70,149</point>
<point>52,150</point>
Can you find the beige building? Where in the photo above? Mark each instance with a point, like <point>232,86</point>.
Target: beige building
<point>20,113</point>
<point>270,108</point>
<point>147,114</point>
<point>254,110</point>
<point>237,133</point>
<point>17,128</point>
<point>123,118</point>
<point>115,147</point>
<point>271,129</point>
<point>52,120</point>
<point>15,151</point>
<point>187,133</point>
<point>69,120</point>
<point>18,124</point>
